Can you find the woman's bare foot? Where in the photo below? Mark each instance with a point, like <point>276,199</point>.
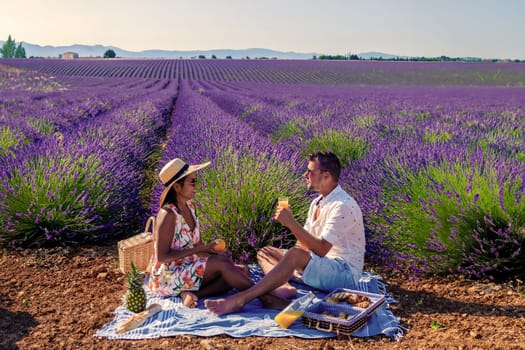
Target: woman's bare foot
<point>189,299</point>
<point>223,306</point>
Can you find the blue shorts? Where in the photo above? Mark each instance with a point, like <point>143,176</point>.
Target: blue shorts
<point>328,274</point>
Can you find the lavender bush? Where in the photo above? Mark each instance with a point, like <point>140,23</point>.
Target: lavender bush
<point>59,193</point>
<point>239,198</point>
<point>32,81</point>
<point>463,217</point>
<point>348,147</point>
<point>84,186</point>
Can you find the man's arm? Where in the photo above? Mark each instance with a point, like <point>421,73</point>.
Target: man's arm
<point>319,246</point>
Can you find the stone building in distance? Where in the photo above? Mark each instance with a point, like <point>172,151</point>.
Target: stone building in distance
<point>69,55</point>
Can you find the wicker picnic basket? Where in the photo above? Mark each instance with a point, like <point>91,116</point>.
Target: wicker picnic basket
<point>323,315</point>
<point>137,249</point>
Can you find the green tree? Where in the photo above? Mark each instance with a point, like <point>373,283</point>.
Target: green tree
<point>9,48</point>
<point>110,54</point>
<point>20,52</point>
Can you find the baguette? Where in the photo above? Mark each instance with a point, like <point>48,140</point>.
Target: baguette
<point>138,319</point>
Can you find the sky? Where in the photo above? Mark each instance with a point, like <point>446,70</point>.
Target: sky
<point>454,28</point>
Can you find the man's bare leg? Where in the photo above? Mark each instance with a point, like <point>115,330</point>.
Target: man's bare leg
<point>295,258</point>
<point>268,258</point>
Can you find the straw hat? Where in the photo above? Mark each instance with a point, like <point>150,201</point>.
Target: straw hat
<point>175,170</point>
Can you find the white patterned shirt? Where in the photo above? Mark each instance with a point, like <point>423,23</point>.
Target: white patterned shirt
<point>340,222</point>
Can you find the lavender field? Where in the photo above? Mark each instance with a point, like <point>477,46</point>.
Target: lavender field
<point>433,152</point>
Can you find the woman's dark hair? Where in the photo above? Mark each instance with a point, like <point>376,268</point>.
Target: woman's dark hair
<point>328,162</point>
<point>171,196</point>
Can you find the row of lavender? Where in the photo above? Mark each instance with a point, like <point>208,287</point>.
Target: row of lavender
<point>30,116</point>
<point>288,71</point>
<point>74,155</point>
<point>439,172</point>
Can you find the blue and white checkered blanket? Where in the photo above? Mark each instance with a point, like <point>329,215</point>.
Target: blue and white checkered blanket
<point>176,319</point>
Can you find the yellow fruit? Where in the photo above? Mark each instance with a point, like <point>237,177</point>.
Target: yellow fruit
<point>135,295</point>
<point>219,246</point>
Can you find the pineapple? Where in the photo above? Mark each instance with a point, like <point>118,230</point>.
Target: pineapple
<point>136,295</point>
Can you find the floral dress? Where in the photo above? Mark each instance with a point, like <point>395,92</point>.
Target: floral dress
<point>182,274</point>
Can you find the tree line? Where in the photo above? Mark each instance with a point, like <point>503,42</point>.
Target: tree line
<point>11,50</point>
<point>397,58</point>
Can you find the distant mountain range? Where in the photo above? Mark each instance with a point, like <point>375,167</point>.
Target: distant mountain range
<point>33,50</point>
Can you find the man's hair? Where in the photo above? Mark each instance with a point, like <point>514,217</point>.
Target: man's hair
<point>328,162</point>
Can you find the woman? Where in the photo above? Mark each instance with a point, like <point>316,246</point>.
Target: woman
<point>182,264</point>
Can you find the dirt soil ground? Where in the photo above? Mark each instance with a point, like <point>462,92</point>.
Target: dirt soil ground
<point>58,298</point>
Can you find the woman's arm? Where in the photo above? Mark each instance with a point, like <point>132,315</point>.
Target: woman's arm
<point>165,225</point>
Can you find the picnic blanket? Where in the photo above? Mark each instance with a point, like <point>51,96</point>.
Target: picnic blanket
<point>176,319</point>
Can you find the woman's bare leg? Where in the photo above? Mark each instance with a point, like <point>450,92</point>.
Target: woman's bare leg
<point>213,282</point>
<point>220,266</point>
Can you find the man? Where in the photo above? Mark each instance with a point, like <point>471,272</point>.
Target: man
<point>330,248</point>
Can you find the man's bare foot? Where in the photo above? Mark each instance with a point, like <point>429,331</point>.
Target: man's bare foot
<point>272,301</point>
<point>223,306</point>
<point>189,299</point>
<point>268,257</point>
